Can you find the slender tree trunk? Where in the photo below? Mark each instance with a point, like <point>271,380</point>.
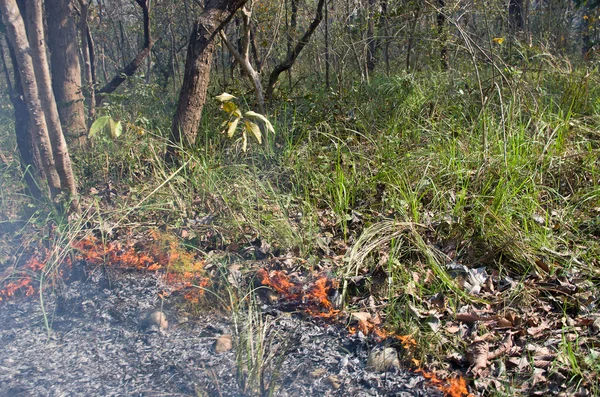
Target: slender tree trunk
<point>135,64</point>
<point>87,62</point>
<point>515,16</point>
<point>17,36</point>
<point>386,34</point>
<point>371,41</point>
<point>243,58</point>
<point>35,24</point>
<point>66,73</point>
<point>291,56</point>
<point>217,13</point>
<point>327,80</point>
<point>442,34</point>
<point>411,36</point>
<point>30,156</point>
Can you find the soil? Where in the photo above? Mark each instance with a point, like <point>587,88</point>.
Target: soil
<point>96,343</point>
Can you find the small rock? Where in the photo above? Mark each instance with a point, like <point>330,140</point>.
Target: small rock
<point>223,343</point>
<point>334,381</point>
<point>383,360</point>
<point>157,319</point>
<point>317,373</point>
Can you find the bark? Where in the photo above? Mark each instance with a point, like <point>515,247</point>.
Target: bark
<point>515,15</point>
<point>372,41</point>
<point>66,73</point>
<point>87,59</point>
<point>30,156</point>
<point>293,54</point>
<point>217,13</point>
<point>386,35</point>
<point>17,37</point>
<point>441,25</point>
<point>243,58</point>
<point>35,25</point>
<point>411,37</point>
<point>135,64</point>
<point>327,66</point>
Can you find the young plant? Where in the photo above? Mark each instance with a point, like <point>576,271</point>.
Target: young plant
<point>235,116</point>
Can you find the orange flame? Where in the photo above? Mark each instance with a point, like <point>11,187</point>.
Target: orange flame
<point>451,387</point>
<point>315,298</point>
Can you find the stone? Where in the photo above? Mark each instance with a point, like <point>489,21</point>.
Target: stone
<point>223,343</point>
<point>382,360</point>
<point>157,319</point>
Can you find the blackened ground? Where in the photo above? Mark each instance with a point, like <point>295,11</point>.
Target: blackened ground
<point>96,347</point>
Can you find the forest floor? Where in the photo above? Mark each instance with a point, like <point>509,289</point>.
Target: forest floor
<point>93,336</point>
<point>402,213</point>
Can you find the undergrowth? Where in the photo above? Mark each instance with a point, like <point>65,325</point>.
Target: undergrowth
<point>391,180</point>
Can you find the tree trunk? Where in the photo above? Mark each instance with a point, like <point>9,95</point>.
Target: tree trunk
<point>217,13</point>
<point>292,55</point>
<point>15,29</point>
<point>515,15</point>
<point>35,25</point>
<point>411,36</point>
<point>135,64</point>
<point>243,58</point>
<point>66,73</point>
<point>30,156</point>
<point>442,35</point>
<point>371,40</point>
<point>87,59</point>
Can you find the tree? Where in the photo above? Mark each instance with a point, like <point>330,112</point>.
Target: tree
<point>45,127</point>
<point>135,64</point>
<point>217,13</point>
<point>292,54</point>
<point>66,72</point>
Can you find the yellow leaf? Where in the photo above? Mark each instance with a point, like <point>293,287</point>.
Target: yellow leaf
<point>224,97</point>
<point>232,126</point>
<point>230,107</point>
<point>254,129</point>
<point>244,141</point>
<point>261,117</point>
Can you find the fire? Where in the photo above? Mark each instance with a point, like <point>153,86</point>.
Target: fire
<point>315,297</point>
<point>183,272</point>
<point>24,277</point>
<point>451,387</point>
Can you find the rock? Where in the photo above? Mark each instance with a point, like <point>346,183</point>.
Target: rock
<point>334,382</point>
<point>157,319</point>
<point>223,343</point>
<point>383,360</point>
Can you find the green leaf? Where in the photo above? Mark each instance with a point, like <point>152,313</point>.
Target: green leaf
<point>261,117</point>
<point>232,126</point>
<point>116,129</point>
<point>254,129</point>
<point>99,125</point>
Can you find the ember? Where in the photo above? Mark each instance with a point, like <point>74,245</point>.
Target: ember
<point>451,387</point>
<point>315,297</point>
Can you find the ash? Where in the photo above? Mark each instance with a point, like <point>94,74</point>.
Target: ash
<point>97,344</point>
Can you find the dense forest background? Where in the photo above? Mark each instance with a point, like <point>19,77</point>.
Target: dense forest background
<point>439,158</point>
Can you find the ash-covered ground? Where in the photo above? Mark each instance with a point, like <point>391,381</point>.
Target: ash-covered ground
<point>99,345</point>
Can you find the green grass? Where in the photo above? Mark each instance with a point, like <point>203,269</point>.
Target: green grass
<point>399,176</point>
